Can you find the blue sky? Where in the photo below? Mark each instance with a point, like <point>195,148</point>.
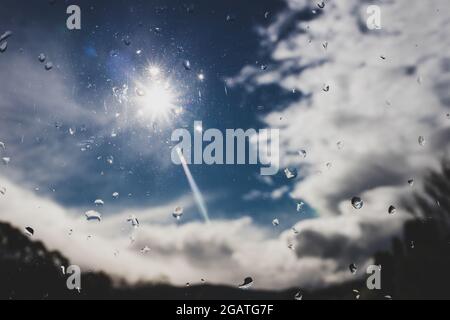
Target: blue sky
<point>98,60</point>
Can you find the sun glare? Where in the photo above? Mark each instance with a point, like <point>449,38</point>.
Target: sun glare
<point>155,98</point>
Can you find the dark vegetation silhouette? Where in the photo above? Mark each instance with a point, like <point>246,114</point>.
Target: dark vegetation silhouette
<point>417,266</point>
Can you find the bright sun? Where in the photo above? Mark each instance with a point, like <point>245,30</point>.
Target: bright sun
<point>155,98</point>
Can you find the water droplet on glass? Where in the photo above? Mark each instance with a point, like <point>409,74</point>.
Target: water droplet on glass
<point>231,18</point>
<point>411,182</point>
<point>99,202</point>
<point>321,5</point>
<point>115,195</point>
<point>290,174</point>
<point>3,46</point>
<point>422,141</point>
<point>248,283</point>
<point>6,160</point>
<point>133,220</point>
<point>139,92</point>
<point>6,35</point>
<point>2,145</point>
<point>357,203</point>
<point>2,191</point>
<point>302,153</point>
<point>392,210</point>
<point>127,41</point>
<point>340,145</point>
<point>276,222</point>
<point>110,160</point>
<point>300,206</point>
<point>178,213</point>
<point>48,66</point>
<point>326,88</point>
<point>263,67</point>
<point>29,231</point>
<point>145,250</point>
<point>298,296</point>
<point>42,58</point>
<point>353,269</point>
<point>266,14</point>
<point>92,215</point>
<point>187,65</point>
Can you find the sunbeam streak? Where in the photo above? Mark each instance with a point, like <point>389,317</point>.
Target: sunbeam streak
<point>197,194</point>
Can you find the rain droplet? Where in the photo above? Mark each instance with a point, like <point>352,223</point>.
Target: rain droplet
<point>145,250</point>
<point>298,296</point>
<point>275,222</point>
<point>329,165</point>
<point>187,65</point>
<point>110,160</point>
<point>2,191</point>
<point>133,220</point>
<point>302,153</point>
<point>99,202</point>
<point>321,5</point>
<point>139,92</point>
<point>3,46</point>
<point>126,41</point>
<point>290,174</point>
<point>300,206</point>
<point>2,145</point>
<point>357,203</point>
<point>42,58</point>
<point>340,145</point>
<point>115,195</point>
<point>48,66</point>
<point>353,269</point>
<point>71,131</point>
<point>92,215</point>
<point>326,88</point>
<point>264,67</point>
<point>248,283</point>
<point>266,14</point>
<point>411,182</point>
<point>392,210</point>
<point>231,18</point>
<point>422,141</point>
<point>6,160</point>
<point>178,213</point>
<point>29,231</point>
<point>6,35</point>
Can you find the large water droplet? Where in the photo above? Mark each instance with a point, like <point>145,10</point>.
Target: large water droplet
<point>422,141</point>
<point>178,213</point>
<point>392,210</point>
<point>99,202</point>
<point>133,220</point>
<point>248,283</point>
<point>92,215</point>
<point>357,203</point>
<point>353,268</point>
<point>3,46</point>
<point>42,58</point>
<point>29,231</point>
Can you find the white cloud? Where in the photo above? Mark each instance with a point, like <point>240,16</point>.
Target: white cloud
<point>377,108</point>
<point>222,252</point>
